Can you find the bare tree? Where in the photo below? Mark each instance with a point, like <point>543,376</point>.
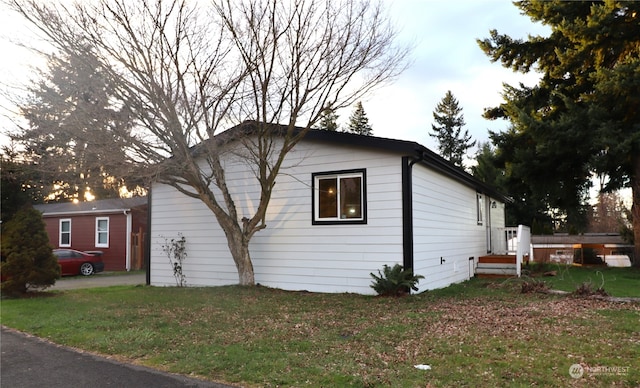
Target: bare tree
<point>185,71</point>
<point>606,216</point>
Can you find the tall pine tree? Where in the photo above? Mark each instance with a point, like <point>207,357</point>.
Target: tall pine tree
<point>453,143</point>
<point>582,117</point>
<point>75,136</point>
<point>359,122</point>
<point>328,120</point>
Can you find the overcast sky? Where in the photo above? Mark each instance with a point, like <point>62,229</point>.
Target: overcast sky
<point>445,57</point>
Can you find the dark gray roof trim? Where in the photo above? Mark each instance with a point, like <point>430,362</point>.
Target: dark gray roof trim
<point>406,148</point>
<point>100,206</point>
<point>409,148</point>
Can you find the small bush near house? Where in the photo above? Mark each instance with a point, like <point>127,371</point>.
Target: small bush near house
<point>28,260</point>
<point>395,281</point>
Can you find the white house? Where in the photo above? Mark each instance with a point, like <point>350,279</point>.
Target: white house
<point>343,206</point>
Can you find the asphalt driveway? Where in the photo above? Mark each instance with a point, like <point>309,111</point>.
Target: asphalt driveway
<point>30,362</point>
<point>27,361</point>
<point>102,279</point>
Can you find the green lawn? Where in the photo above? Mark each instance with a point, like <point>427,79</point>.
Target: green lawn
<point>478,333</point>
<point>622,282</point>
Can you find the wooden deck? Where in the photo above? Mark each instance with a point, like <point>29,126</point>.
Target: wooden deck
<point>497,259</point>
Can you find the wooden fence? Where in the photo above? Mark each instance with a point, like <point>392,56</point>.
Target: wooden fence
<point>137,250</point>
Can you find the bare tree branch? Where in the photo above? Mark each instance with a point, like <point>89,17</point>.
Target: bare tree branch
<point>184,71</point>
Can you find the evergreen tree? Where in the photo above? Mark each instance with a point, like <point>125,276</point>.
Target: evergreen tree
<point>328,120</point>
<point>582,117</point>
<point>20,184</point>
<point>452,142</point>
<point>485,168</point>
<point>75,136</point>
<point>359,122</point>
<point>526,206</point>
<point>28,260</point>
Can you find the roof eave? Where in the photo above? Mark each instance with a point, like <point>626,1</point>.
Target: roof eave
<point>86,212</point>
<point>421,153</point>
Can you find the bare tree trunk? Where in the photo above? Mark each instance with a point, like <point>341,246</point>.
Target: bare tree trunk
<point>239,247</point>
<point>242,258</point>
<point>635,209</point>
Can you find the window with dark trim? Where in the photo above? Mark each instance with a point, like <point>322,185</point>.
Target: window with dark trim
<point>480,206</point>
<point>339,197</point>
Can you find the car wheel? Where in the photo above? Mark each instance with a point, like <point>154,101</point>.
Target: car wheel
<point>86,269</point>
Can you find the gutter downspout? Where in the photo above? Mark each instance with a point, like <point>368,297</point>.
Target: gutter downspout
<point>128,247</point>
<point>407,210</point>
<point>147,238</point>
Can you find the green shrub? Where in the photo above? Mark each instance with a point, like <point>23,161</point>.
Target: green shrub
<point>27,258</point>
<point>395,281</point>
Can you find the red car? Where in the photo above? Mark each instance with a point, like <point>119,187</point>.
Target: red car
<point>74,262</point>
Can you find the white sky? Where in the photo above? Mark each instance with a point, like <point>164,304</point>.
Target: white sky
<point>445,57</point>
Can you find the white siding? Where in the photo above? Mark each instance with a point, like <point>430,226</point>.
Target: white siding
<point>445,226</point>
<point>290,253</point>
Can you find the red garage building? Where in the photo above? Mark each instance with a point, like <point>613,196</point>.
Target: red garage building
<point>115,227</point>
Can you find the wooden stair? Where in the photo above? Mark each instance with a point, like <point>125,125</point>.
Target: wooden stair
<point>496,266</point>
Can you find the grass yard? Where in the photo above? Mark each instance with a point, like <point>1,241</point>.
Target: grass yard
<point>622,282</point>
<point>478,333</point>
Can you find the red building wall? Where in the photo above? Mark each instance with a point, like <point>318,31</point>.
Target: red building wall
<point>83,237</point>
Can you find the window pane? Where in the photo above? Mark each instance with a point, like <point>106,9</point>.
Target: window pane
<point>65,226</point>
<point>327,198</point>
<point>103,225</point>
<point>65,239</point>
<point>351,197</point>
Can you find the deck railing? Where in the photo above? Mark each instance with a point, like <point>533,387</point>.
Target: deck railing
<point>504,240</point>
<point>524,246</point>
<point>512,241</point>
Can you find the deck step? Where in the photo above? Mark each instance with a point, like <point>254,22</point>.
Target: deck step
<point>493,276</point>
<point>496,270</point>
<point>495,259</point>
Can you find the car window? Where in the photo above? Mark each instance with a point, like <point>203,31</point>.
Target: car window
<point>65,254</point>
<point>61,254</point>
